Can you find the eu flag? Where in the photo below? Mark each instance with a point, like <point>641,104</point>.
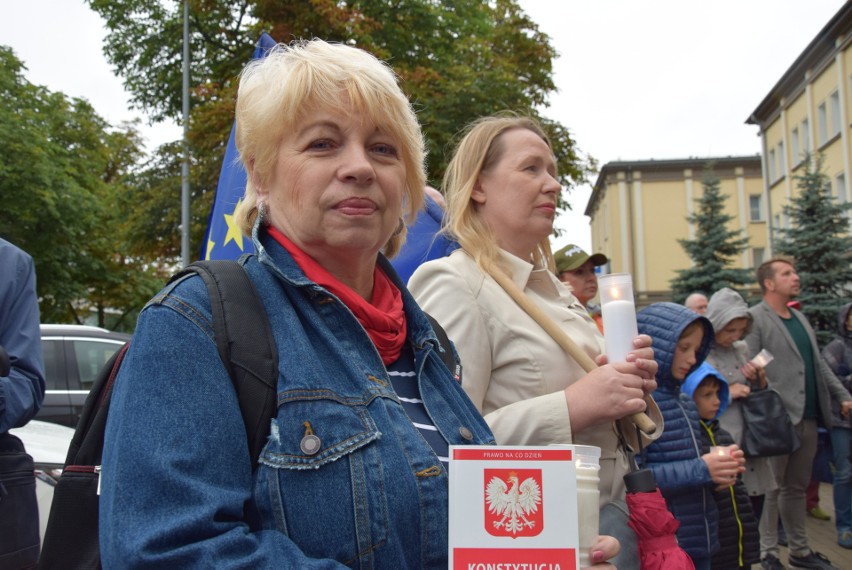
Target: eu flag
<point>224,239</point>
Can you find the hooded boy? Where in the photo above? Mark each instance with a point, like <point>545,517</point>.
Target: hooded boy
<point>739,539</point>
<point>686,476</point>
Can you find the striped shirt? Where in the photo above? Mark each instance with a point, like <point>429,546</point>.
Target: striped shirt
<point>404,380</point>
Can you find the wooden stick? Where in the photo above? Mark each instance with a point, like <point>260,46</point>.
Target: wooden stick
<point>639,419</point>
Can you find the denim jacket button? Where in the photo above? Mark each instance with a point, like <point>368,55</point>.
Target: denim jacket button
<point>310,444</point>
<point>465,433</point>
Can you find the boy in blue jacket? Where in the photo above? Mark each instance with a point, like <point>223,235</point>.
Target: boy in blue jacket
<point>739,538</point>
<point>686,476</point>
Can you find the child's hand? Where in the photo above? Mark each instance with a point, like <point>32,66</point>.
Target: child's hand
<point>723,467</point>
<point>739,391</point>
<point>754,374</point>
<point>739,455</point>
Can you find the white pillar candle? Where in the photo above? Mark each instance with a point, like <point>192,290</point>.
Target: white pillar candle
<point>619,315</point>
<point>587,464</point>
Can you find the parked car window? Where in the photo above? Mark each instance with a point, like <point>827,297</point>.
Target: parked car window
<point>54,364</point>
<point>73,356</point>
<point>91,355</point>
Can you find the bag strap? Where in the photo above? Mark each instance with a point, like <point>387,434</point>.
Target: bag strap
<point>245,342</point>
<point>446,352</point>
<point>640,419</point>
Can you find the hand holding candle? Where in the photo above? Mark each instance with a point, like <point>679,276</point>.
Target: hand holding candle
<point>619,323</point>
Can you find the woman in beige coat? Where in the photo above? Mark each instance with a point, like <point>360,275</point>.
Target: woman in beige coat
<point>501,188</point>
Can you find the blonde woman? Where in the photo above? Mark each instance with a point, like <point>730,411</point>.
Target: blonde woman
<point>501,188</point>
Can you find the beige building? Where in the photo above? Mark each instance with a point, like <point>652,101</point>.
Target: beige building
<point>638,211</point>
<point>808,110</point>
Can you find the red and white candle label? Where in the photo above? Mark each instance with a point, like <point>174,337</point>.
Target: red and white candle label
<point>513,507</point>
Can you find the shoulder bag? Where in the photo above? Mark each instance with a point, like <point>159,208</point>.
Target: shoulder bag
<point>767,428</point>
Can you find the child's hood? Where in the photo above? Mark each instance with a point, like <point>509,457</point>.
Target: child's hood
<point>698,375</point>
<point>664,323</point>
<point>726,305</point>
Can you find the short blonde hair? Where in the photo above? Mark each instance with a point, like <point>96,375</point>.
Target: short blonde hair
<point>480,149</point>
<point>277,91</point>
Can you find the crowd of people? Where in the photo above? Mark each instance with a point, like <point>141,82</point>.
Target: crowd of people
<point>815,390</point>
<point>355,469</point>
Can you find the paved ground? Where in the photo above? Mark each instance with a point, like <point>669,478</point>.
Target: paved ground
<point>822,535</point>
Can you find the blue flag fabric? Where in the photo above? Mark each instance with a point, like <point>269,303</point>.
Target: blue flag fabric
<point>423,242</point>
<point>224,240</point>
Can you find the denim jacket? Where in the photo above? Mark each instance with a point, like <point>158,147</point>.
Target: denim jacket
<point>178,490</point>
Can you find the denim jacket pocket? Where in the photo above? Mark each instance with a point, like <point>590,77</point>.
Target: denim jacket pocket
<point>322,479</point>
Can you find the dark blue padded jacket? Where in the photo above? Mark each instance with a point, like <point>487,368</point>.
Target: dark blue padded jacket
<point>675,458</point>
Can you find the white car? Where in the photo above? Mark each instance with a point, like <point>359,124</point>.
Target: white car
<point>47,443</point>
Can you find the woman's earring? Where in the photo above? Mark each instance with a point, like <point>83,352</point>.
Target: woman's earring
<point>261,213</point>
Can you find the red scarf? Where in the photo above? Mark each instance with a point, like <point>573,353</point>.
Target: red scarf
<point>383,318</point>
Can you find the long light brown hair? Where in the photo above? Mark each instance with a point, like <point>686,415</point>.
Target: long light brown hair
<point>480,149</point>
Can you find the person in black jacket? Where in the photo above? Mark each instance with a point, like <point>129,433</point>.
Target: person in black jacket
<point>739,540</point>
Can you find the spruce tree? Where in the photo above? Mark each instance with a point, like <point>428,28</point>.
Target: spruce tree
<point>818,240</point>
<point>713,248</point>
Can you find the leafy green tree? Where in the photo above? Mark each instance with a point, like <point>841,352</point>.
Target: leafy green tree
<point>818,240</point>
<point>713,248</point>
<point>456,60</point>
<point>61,169</point>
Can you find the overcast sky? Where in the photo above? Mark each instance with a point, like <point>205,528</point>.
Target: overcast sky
<point>637,79</point>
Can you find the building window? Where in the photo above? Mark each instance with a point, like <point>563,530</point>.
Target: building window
<point>806,136</point>
<point>757,255</point>
<point>840,184</point>
<point>834,102</point>
<point>772,165</point>
<point>822,124</point>
<point>794,142</point>
<point>782,162</point>
<point>755,208</point>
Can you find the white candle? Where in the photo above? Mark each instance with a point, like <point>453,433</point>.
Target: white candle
<point>619,315</point>
<point>587,465</point>
<point>762,358</point>
<point>619,324</point>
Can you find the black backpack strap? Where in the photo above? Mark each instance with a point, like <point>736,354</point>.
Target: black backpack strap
<point>245,342</point>
<point>446,353</point>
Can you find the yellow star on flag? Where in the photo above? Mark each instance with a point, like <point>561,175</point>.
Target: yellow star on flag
<point>234,232</point>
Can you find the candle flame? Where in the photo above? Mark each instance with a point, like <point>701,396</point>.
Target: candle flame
<point>615,293</point>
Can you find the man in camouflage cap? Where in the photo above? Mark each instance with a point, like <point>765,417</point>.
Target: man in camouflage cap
<point>576,268</point>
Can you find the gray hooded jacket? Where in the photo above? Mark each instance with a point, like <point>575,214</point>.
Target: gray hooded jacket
<point>726,305</point>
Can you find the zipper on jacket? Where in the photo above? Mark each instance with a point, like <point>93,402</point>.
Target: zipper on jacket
<point>740,533</point>
<point>704,494</point>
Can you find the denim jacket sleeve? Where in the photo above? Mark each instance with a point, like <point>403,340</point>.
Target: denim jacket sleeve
<point>176,476</point>
<point>22,391</point>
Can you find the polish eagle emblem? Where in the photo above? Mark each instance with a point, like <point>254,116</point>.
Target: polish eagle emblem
<point>513,505</point>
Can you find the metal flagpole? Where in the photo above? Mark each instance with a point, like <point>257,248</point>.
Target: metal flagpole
<point>184,179</point>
